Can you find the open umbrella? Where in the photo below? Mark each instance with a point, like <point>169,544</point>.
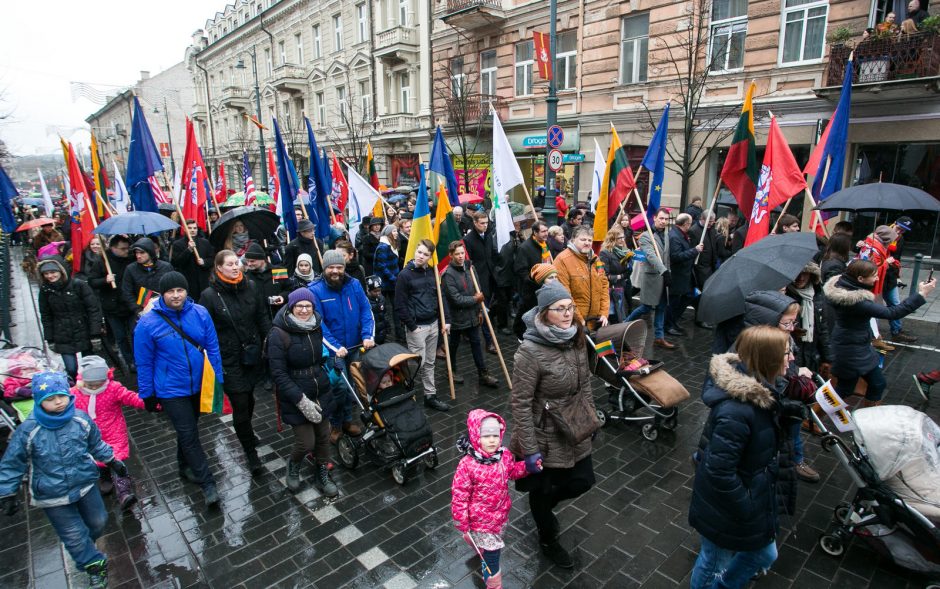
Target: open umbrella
<point>260,223</point>
<point>880,196</point>
<point>135,223</point>
<point>469,198</point>
<point>769,264</point>
<point>35,223</point>
<point>37,202</point>
<point>166,208</point>
<point>238,199</point>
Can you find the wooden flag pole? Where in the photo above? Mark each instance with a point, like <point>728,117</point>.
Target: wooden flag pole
<point>783,212</point>
<point>489,325</point>
<point>711,210</point>
<point>440,310</point>
<point>186,232</point>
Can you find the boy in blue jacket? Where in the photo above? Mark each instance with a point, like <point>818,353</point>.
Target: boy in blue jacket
<point>60,444</point>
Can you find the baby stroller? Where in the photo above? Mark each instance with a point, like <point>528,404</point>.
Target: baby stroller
<point>639,390</point>
<point>895,464</point>
<point>17,366</point>
<point>396,433</point>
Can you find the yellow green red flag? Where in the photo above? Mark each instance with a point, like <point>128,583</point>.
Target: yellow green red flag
<point>210,394</point>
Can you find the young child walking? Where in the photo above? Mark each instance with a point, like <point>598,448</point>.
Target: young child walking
<point>59,444</point>
<point>102,397</point>
<point>481,502</point>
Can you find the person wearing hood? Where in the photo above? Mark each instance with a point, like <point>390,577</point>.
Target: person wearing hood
<point>735,499</point>
<point>304,273</point>
<point>385,266</point>
<point>171,344</point>
<point>463,301</point>
<point>58,445</point>
<point>480,500</point>
<point>852,298</point>
<point>183,259</point>
<point>144,274</point>
<point>812,330</point>
<point>552,386</point>
<point>306,242</point>
<point>70,313</point>
<point>241,324</point>
<point>582,274</point>
<point>304,397</point>
<point>118,312</point>
<point>271,282</point>
<point>653,278</point>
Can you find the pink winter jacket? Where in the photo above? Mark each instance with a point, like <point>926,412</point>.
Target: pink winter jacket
<point>108,416</point>
<point>480,491</point>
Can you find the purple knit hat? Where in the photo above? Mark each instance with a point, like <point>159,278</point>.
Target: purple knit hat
<point>300,294</point>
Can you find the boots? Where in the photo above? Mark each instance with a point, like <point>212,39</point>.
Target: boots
<point>486,379</point>
<point>125,491</point>
<point>458,378</point>
<point>335,434</point>
<point>293,475</point>
<point>254,463</point>
<point>105,483</point>
<point>323,482</point>
<point>97,574</point>
<point>211,494</point>
<point>495,581</point>
<point>880,344</point>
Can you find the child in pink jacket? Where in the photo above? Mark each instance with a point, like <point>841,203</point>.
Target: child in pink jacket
<point>481,503</point>
<point>102,398</point>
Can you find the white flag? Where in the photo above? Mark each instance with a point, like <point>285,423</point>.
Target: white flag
<point>600,166</point>
<point>362,199</point>
<point>506,176</point>
<point>46,198</point>
<point>121,199</point>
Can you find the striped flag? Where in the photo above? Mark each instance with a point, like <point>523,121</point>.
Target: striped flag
<point>210,393</point>
<point>158,194</point>
<point>144,296</point>
<point>604,348</point>
<point>249,181</point>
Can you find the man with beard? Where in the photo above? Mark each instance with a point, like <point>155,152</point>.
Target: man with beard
<point>347,325</point>
<point>184,260</point>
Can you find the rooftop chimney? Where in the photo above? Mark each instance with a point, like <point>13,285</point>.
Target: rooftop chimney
<point>144,75</point>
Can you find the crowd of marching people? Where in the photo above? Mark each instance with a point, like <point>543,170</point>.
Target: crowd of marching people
<point>167,310</point>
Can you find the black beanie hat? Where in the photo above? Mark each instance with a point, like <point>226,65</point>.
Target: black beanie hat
<point>255,252</point>
<point>173,280</point>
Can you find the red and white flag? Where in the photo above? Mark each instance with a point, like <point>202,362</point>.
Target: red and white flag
<point>340,191</point>
<point>543,54</point>
<point>194,181</point>
<point>274,185</point>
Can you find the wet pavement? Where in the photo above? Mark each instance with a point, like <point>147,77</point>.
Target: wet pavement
<point>630,530</point>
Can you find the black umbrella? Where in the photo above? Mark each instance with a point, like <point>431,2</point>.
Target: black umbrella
<point>880,196</point>
<point>769,264</point>
<point>260,223</point>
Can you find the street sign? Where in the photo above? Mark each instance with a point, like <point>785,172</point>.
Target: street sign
<point>555,160</point>
<point>555,136</point>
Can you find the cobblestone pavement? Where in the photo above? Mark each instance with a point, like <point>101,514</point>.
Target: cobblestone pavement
<point>630,530</point>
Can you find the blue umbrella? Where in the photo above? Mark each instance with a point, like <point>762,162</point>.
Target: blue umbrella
<point>32,201</point>
<point>136,223</point>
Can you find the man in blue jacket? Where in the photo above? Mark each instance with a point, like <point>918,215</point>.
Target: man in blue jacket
<point>347,325</point>
<point>168,346</point>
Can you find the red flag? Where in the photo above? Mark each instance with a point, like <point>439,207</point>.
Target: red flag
<point>543,54</point>
<point>221,187</point>
<point>780,179</point>
<point>340,186</point>
<point>274,184</point>
<point>193,180</point>
<point>82,225</point>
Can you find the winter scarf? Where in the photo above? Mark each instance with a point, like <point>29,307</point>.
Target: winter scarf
<point>54,420</point>
<point>93,394</point>
<point>807,311</point>
<point>465,447</point>
<point>546,255</point>
<point>553,334</point>
<point>308,325</point>
<point>592,260</point>
<point>231,281</point>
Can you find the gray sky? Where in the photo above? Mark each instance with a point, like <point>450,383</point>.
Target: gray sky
<point>45,45</point>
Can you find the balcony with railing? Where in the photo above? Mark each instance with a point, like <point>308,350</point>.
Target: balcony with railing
<point>887,60</point>
<point>290,78</point>
<point>235,97</point>
<point>474,14</point>
<point>402,123</point>
<point>473,108</point>
<point>396,45</point>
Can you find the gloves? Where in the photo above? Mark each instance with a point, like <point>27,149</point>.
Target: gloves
<point>533,463</point>
<point>10,504</point>
<point>667,278</point>
<point>118,467</point>
<point>310,410</point>
<point>150,404</point>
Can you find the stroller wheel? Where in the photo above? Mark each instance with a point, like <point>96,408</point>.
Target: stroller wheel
<point>831,544</point>
<point>602,416</point>
<point>842,512</point>
<point>400,473</point>
<point>431,461</point>
<point>348,453</point>
<point>650,432</point>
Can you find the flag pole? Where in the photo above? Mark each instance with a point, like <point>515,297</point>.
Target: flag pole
<point>646,222</point>
<point>440,310</point>
<point>812,200</point>
<point>104,250</point>
<point>711,210</point>
<point>489,325</point>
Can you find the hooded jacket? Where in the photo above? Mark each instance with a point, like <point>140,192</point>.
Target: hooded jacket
<point>764,307</point>
<point>586,281</point>
<point>812,353</point>
<point>480,490</point>
<point>852,307</point>
<point>167,365</point>
<point>113,302</point>
<point>137,276</point>
<point>346,313</point>
<point>108,415</point>
<point>70,312</point>
<point>296,360</point>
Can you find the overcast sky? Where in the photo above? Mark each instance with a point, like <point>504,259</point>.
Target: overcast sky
<point>106,43</point>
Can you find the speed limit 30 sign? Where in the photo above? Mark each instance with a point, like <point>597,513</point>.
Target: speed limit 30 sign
<point>555,160</point>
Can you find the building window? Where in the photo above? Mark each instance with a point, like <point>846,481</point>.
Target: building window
<point>728,30</point>
<point>363,23</point>
<point>338,32</point>
<point>804,31</point>
<point>365,100</point>
<point>404,83</point>
<point>317,45</point>
<point>524,64</point>
<point>299,41</point>
<point>321,109</point>
<point>267,62</point>
<point>258,9</point>
<point>282,52</point>
<point>403,12</point>
<point>456,77</point>
<point>634,47</point>
<point>566,60</point>
<point>341,102</point>
<point>488,72</point>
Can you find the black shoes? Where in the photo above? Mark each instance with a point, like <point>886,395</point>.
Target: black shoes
<point>556,553</point>
<point>188,475</point>
<point>254,463</point>
<point>675,331</point>
<point>458,379</point>
<point>211,494</point>
<point>487,380</point>
<point>433,402</point>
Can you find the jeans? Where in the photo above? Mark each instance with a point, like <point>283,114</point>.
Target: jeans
<point>892,298</point>
<point>121,331</point>
<point>476,346</point>
<point>489,564</point>
<point>659,318</point>
<point>876,385</point>
<point>344,396</point>
<point>79,524</point>
<point>797,442</point>
<point>423,342</point>
<point>183,413</point>
<point>395,326</point>
<point>71,364</point>
<point>718,568</point>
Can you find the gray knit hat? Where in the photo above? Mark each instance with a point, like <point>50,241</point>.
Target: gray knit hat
<point>93,369</point>
<point>551,292</point>
<point>333,258</point>
<point>387,230</point>
<point>885,234</point>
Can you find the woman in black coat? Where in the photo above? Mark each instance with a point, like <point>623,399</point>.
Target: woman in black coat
<point>70,313</point>
<point>616,256</point>
<point>853,306</point>
<point>304,397</point>
<point>241,322</point>
<point>734,495</point>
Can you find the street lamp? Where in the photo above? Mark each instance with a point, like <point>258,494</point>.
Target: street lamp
<point>169,139</point>
<point>254,69</point>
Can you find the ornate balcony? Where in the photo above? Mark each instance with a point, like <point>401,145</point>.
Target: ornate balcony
<point>472,108</point>
<point>402,123</point>
<point>908,57</point>
<point>474,14</point>
<point>235,97</point>
<point>290,78</point>
<point>396,45</point>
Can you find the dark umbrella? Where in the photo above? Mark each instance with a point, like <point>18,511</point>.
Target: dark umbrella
<point>135,223</point>
<point>260,223</point>
<point>769,264</point>
<point>880,196</point>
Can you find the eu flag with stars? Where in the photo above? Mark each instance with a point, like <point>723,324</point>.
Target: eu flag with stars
<point>655,162</point>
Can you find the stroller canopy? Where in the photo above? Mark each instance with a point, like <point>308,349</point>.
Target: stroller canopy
<point>380,359</point>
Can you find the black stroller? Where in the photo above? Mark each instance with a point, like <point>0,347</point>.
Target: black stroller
<point>397,434</point>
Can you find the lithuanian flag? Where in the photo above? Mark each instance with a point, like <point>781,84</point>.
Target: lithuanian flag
<point>279,274</point>
<point>741,169</point>
<point>604,348</point>
<point>378,210</point>
<point>144,296</point>
<point>100,176</point>
<point>445,228</point>
<point>210,393</point>
<point>616,185</point>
